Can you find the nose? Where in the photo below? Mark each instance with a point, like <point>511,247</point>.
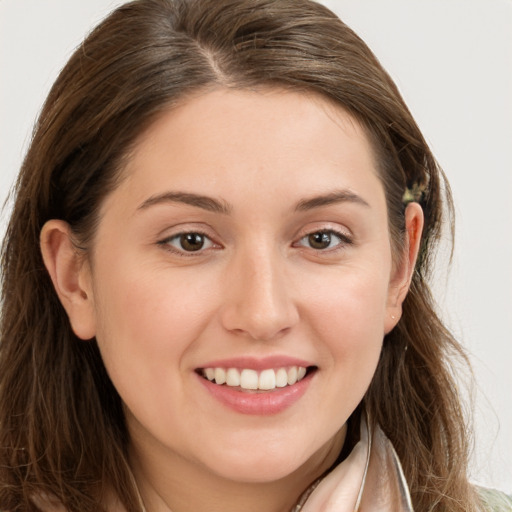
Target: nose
<point>259,298</point>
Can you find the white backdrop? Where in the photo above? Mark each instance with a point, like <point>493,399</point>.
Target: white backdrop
<point>452,60</point>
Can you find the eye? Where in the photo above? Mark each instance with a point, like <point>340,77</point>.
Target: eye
<point>188,242</point>
<point>324,240</point>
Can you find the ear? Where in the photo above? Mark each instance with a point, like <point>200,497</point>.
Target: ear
<point>70,274</point>
<point>403,271</point>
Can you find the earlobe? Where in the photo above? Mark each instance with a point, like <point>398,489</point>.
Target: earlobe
<point>70,275</point>
<point>402,274</point>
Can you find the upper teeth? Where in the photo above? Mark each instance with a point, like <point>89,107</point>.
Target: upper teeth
<point>251,379</point>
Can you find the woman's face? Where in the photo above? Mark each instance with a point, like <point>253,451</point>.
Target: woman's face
<point>248,241</point>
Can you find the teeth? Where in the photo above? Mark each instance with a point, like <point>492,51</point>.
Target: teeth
<point>220,375</point>
<point>250,379</point>
<point>292,375</point>
<point>232,377</point>
<point>281,378</point>
<point>267,379</point>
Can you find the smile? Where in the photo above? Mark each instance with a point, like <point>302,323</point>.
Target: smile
<point>251,380</point>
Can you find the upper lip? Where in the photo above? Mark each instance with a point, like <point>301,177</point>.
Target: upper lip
<point>258,364</point>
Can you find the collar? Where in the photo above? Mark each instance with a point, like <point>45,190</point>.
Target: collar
<point>370,479</point>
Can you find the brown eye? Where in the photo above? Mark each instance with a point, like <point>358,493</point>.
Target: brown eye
<point>192,241</point>
<point>320,240</point>
<point>324,240</point>
<point>188,242</point>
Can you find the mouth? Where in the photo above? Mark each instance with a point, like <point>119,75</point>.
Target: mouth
<point>250,380</point>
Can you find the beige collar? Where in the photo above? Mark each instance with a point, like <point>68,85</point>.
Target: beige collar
<point>370,479</point>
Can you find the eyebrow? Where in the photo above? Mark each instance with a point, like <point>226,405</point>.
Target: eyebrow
<point>337,196</point>
<point>219,206</point>
<point>205,202</point>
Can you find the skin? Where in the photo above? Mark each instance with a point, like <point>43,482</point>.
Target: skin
<point>257,288</point>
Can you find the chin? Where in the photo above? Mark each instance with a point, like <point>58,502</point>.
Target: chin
<point>264,473</point>
<point>262,464</point>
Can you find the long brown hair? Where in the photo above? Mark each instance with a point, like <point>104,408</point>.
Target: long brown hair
<point>62,429</point>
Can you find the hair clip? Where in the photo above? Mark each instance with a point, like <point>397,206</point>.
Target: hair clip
<point>414,194</point>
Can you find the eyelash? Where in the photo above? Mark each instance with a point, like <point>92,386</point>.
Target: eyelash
<point>343,241</point>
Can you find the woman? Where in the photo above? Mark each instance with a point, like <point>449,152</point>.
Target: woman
<point>215,272</point>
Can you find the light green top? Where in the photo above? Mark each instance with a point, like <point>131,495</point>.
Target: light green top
<point>495,501</point>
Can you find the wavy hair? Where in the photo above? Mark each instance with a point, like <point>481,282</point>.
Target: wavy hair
<point>62,429</point>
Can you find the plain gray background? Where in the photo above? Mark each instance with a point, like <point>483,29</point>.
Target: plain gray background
<point>452,60</point>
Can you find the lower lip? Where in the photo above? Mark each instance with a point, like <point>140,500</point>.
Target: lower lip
<point>262,403</point>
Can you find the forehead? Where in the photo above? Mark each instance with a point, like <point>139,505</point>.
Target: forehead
<point>249,140</point>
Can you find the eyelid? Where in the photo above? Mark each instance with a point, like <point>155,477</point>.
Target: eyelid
<point>325,226</point>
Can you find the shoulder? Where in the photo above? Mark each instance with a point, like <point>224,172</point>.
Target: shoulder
<point>494,501</point>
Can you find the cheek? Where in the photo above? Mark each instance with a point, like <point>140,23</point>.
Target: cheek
<point>348,315</point>
<point>149,324</point>
<point>151,312</point>
<point>147,314</point>
<point>352,302</point>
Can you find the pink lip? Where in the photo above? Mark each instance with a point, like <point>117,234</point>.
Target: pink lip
<point>258,364</point>
<point>262,403</point>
